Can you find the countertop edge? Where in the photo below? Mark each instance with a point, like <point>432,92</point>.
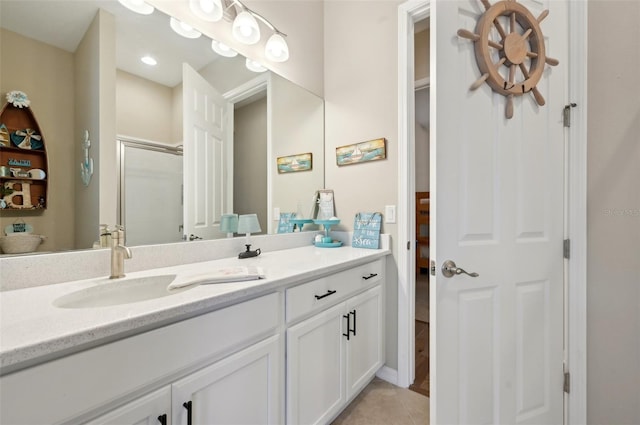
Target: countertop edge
<point>19,358</point>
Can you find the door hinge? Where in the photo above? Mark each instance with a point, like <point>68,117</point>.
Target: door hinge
<point>566,248</point>
<point>567,383</point>
<point>566,114</point>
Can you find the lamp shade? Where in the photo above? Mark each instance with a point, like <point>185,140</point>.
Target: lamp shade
<point>276,48</point>
<point>229,223</point>
<point>245,28</point>
<point>207,10</point>
<point>138,6</point>
<point>184,29</point>
<point>222,49</point>
<point>248,223</point>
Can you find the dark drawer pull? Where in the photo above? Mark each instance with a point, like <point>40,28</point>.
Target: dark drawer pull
<point>162,419</point>
<point>354,322</point>
<point>188,406</point>
<point>348,317</point>
<point>370,276</point>
<point>319,297</point>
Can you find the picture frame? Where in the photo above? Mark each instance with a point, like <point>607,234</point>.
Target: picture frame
<point>371,150</point>
<point>295,163</point>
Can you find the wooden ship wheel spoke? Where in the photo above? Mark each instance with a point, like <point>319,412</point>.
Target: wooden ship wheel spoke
<point>520,49</point>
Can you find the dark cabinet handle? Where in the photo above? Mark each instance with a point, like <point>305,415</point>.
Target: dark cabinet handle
<point>354,322</point>
<point>370,276</point>
<point>187,406</point>
<point>162,419</point>
<point>348,317</point>
<point>319,297</point>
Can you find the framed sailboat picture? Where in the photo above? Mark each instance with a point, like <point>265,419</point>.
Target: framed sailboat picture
<point>294,163</point>
<point>371,150</point>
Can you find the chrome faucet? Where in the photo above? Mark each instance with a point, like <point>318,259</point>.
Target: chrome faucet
<point>119,253</point>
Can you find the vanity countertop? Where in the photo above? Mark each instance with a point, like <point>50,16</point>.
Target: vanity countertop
<point>33,330</point>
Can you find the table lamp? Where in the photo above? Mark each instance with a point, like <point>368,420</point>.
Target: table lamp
<point>248,224</point>
<point>229,224</point>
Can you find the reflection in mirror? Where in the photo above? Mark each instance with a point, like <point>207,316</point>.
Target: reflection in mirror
<point>70,53</point>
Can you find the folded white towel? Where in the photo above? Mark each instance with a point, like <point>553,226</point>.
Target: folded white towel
<point>223,275</point>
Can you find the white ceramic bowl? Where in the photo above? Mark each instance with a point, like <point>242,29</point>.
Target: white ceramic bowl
<point>20,243</point>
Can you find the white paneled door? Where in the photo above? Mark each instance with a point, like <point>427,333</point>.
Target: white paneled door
<point>499,191</point>
<point>208,156</point>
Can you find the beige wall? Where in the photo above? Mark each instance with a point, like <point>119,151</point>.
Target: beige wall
<point>51,92</point>
<point>422,52</point>
<point>95,112</point>
<point>249,165</point>
<point>297,122</point>
<point>613,214</point>
<point>144,109</point>
<point>361,97</point>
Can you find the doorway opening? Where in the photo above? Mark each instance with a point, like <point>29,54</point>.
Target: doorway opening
<point>421,62</point>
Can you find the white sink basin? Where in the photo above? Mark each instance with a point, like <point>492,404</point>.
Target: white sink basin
<point>120,291</point>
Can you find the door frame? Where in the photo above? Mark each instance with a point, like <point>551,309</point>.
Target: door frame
<point>256,87</point>
<point>409,13</point>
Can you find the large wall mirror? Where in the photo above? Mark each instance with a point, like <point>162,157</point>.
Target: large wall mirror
<point>70,55</point>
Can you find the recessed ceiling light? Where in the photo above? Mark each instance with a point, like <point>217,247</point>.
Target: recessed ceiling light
<point>149,60</point>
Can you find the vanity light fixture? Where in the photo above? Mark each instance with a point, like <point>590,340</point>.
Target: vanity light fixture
<point>222,49</point>
<point>246,30</point>
<point>149,60</point>
<point>207,10</point>
<point>248,224</point>
<point>184,29</point>
<point>138,6</point>
<point>254,66</point>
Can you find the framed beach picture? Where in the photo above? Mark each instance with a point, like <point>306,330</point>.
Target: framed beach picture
<point>294,163</point>
<point>371,150</point>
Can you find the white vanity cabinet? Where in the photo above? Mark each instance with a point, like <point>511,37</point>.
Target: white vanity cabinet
<point>151,409</point>
<point>115,378</point>
<point>242,389</point>
<point>333,354</point>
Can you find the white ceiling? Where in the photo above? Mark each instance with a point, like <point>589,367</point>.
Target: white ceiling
<point>62,23</point>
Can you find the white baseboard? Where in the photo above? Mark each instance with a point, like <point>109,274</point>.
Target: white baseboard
<point>387,374</point>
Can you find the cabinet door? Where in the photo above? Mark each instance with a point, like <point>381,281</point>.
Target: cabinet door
<point>152,409</point>
<point>244,388</point>
<point>365,348</point>
<point>315,366</point>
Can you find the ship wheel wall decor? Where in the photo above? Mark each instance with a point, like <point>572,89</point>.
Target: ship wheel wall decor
<point>513,64</point>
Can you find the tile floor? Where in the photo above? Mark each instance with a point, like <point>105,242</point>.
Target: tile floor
<point>382,403</point>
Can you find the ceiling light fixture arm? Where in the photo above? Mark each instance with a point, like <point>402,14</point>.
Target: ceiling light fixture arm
<point>242,6</point>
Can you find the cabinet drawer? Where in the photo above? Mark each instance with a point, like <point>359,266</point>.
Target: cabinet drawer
<point>321,293</point>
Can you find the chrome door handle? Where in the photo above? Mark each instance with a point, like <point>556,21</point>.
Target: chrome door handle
<point>449,269</point>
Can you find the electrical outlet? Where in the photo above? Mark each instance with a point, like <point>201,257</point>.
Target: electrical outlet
<point>276,214</point>
<point>389,213</point>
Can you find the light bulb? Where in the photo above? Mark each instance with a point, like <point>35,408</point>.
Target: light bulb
<point>254,66</point>
<point>222,49</point>
<point>184,29</point>
<point>276,48</point>
<point>207,10</point>
<point>245,28</point>
<point>138,6</point>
